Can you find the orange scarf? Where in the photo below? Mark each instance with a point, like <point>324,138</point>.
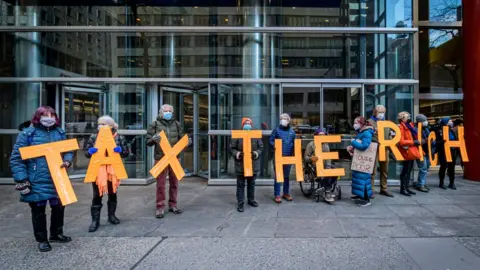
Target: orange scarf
<point>105,174</point>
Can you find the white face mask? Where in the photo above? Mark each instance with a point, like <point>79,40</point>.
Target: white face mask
<point>284,122</point>
<point>356,126</point>
<point>425,123</point>
<point>47,121</point>
<point>381,116</point>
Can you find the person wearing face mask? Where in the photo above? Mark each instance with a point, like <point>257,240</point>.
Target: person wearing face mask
<point>409,150</point>
<point>445,166</point>
<point>236,149</point>
<point>106,179</point>
<point>34,181</point>
<point>423,166</point>
<point>174,132</point>
<point>286,133</point>
<point>361,181</point>
<point>379,115</point>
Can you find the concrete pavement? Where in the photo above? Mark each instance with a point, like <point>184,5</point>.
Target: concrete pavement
<point>438,230</point>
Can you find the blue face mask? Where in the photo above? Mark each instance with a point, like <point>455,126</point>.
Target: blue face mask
<point>247,127</point>
<point>167,115</point>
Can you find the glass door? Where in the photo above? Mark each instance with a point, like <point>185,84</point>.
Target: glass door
<point>201,140</point>
<point>81,108</point>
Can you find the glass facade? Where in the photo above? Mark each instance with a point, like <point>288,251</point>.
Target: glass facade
<point>322,62</point>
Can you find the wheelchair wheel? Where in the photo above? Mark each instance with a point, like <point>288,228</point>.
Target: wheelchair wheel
<point>308,184</point>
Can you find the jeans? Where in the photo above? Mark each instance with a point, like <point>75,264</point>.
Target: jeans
<point>241,188</point>
<point>405,175</point>
<point>39,220</point>
<point>423,167</point>
<point>286,181</point>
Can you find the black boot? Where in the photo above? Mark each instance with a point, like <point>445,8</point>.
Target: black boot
<point>442,184</point>
<point>404,192</point>
<point>240,207</point>
<point>95,210</point>
<point>411,192</point>
<point>452,185</point>
<point>112,207</point>
<point>60,238</point>
<point>44,246</point>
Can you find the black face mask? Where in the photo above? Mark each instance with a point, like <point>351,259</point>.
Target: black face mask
<point>409,121</point>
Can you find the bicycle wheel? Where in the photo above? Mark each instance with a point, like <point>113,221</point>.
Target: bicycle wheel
<point>308,184</point>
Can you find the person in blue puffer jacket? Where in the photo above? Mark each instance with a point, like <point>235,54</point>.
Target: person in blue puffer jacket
<point>445,166</point>
<point>286,133</point>
<point>33,179</point>
<point>361,182</point>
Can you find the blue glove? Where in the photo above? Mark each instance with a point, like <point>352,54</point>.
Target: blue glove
<point>117,149</point>
<point>92,150</point>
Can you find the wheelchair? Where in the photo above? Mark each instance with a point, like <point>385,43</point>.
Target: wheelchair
<point>321,188</point>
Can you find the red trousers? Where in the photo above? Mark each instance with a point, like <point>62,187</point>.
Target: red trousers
<point>172,191</point>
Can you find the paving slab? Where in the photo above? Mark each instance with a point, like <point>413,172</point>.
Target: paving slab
<point>408,211</point>
<point>266,253</point>
<point>439,253</point>
<point>474,208</point>
<point>249,228</point>
<point>373,211</point>
<point>465,226</point>
<point>472,243</point>
<point>431,227</point>
<point>190,227</point>
<point>376,228</point>
<point>81,253</point>
<point>308,228</point>
<point>449,211</point>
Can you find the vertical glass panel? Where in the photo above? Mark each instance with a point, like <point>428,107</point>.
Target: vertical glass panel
<point>230,103</point>
<point>136,162</point>
<point>303,106</point>
<point>7,141</point>
<point>18,103</point>
<point>341,106</point>
<point>127,106</point>
<point>445,10</point>
<point>437,109</point>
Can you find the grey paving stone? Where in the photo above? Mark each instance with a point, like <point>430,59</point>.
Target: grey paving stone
<point>465,226</point>
<point>474,208</point>
<point>429,198</point>
<point>262,211</point>
<point>297,211</point>
<point>81,253</point>
<point>449,211</point>
<point>190,227</point>
<point>373,211</point>
<point>463,199</point>
<point>249,228</point>
<point>308,228</point>
<point>208,211</point>
<point>431,227</point>
<point>267,253</point>
<point>129,227</point>
<point>407,211</point>
<point>398,199</point>
<point>472,243</point>
<point>381,228</point>
<point>428,255</point>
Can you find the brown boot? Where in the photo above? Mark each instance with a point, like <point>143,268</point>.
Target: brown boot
<point>287,197</point>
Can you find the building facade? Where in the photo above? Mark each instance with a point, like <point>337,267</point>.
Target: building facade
<point>322,62</point>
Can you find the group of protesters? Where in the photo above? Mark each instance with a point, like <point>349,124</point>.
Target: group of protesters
<point>34,181</point>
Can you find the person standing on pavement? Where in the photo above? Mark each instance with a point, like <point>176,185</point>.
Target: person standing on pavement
<point>174,133</point>
<point>409,150</point>
<point>423,166</point>
<point>361,181</point>
<point>104,178</point>
<point>236,149</point>
<point>458,123</point>
<point>444,165</point>
<point>34,181</point>
<point>379,115</point>
<point>286,133</point>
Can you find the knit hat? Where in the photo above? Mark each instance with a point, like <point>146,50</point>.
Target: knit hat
<point>421,118</point>
<point>245,119</point>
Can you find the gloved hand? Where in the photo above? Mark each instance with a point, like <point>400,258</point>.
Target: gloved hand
<point>65,164</point>
<point>24,187</point>
<point>416,142</point>
<point>239,155</point>
<point>190,141</point>
<point>117,149</point>
<point>156,138</point>
<point>255,155</point>
<point>92,150</point>
<point>314,159</point>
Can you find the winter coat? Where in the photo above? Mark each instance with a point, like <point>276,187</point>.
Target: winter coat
<point>119,141</point>
<point>361,181</point>
<point>236,146</point>
<point>407,148</point>
<point>310,151</point>
<point>425,148</point>
<point>36,170</point>
<point>172,129</point>
<point>287,134</point>
<point>440,143</point>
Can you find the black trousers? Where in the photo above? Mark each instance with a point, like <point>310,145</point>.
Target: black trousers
<point>405,174</point>
<point>39,220</point>
<point>447,167</point>
<point>97,198</point>
<point>241,188</point>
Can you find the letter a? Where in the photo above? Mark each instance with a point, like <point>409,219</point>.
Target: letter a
<point>296,160</point>
<point>105,156</point>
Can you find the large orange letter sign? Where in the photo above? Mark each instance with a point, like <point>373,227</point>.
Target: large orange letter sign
<point>170,157</point>
<point>419,139</point>
<point>105,156</point>
<point>457,144</point>
<point>53,155</point>
<point>382,125</point>
<point>296,160</point>
<point>247,136</point>
<point>322,156</point>
<point>431,138</point>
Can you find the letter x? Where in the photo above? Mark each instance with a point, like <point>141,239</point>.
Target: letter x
<point>170,157</point>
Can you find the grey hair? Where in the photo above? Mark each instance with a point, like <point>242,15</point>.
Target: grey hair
<point>285,115</point>
<point>109,121</point>
<point>164,107</point>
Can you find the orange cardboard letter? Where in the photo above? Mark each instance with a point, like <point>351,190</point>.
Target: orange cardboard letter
<point>247,136</point>
<point>322,156</point>
<point>295,160</point>
<point>105,156</point>
<point>53,155</point>
<point>457,144</point>
<point>383,143</point>
<point>419,139</point>
<point>431,138</point>
<point>170,157</point>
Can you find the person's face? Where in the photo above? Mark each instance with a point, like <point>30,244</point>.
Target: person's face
<point>248,123</point>
<point>103,124</point>
<point>48,114</point>
<point>168,109</point>
<point>406,118</point>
